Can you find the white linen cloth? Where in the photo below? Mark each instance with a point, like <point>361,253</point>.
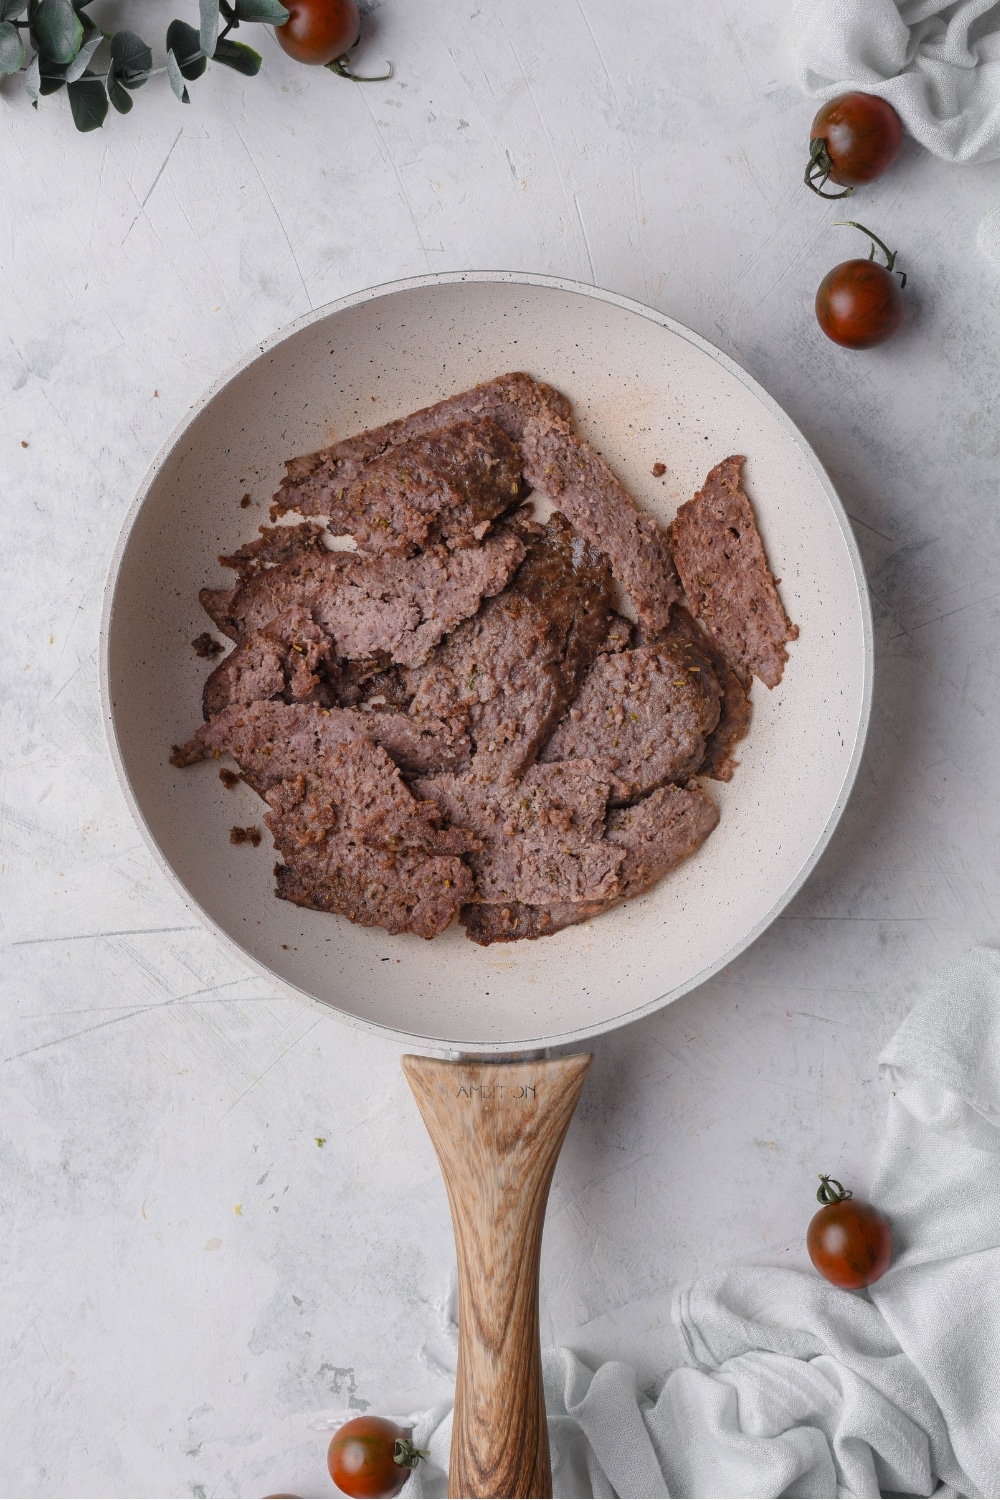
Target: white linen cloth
<point>795,1387</point>
<point>937,64</point>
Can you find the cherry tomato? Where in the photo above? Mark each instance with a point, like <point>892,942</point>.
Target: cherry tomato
<point>319,31</point>
<point>853,140</point>
<point>372,1457</point>
<point>849,1243</point>
<point>859,303</point>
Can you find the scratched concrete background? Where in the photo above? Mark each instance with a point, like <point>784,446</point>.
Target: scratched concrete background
<point>189,1278</point>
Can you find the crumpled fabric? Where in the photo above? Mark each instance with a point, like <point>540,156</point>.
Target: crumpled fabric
<point>938,65</point>
<point>796,1388</point>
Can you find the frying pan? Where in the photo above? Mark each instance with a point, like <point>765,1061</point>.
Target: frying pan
<point>645,391</point>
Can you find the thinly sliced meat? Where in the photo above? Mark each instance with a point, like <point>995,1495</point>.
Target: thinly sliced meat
<point>421,746</point>
<point>734,718</point>
<point>721,561</point>
<point>447,485</point>
<point>619,636</point>
<point>556,462</point>
<point>564,467</point>
<point>353,837</point>
<point>514,668</point>
<point>276,544</point>
<point>645,712</point>
<point>542,837</point>
<point>509,401</point>
<point>656,835</point>
<point>394,605</point>
<point>289,658</point>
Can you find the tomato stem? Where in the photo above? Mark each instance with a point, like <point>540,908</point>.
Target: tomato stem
<point>340,66</point>
<point>825,1192</point>
<point>818,169</point>
<point>406,1455</point>
<point>890,255</point>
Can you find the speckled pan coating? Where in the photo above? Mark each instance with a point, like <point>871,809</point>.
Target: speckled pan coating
<point>644,391</point>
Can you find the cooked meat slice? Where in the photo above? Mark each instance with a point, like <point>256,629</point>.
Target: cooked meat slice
<point>509,401</point>
<point>619,636</point>
<point>656,835</point>
<point>353,837</point>
<point>513,669</point>
<point>542,837</point>
<point>448,485</point>
<point>395,605</point>
<point>289,658</point>
<point>421,746</point>
<point>276,544</point>
<point>556,462</point>
<point>720,557</point>
<point>564,467</point>
<point>646,712</point>
<point>734,718</point>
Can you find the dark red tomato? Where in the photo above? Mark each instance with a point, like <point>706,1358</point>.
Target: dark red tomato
<point>859,304</point>
<point>849,1243</point>
<point>319,31</point>
<point>372,1457</point>
<point>854,139</point>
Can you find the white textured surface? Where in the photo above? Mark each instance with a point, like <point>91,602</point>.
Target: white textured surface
<point>155,1342</point>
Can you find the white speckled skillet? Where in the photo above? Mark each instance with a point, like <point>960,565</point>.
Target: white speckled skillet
<point>645,391</point>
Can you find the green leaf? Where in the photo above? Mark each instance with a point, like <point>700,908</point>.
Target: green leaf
<point>89,102</point>
<point>32,80</point>
<point>235,55</point>
<point>91,41</point>
<point>185,43</point>
<point>52,79</point>
<point>121,100</point>
<point>271,11</point>
<point>58,30</point>
<point>177,79</point>
<point>131,59</point>
<point>209,32</point>
<point>11,48</point>
<point>11,9</point>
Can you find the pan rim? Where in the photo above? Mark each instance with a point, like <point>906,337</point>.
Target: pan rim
<point>486,1048</point>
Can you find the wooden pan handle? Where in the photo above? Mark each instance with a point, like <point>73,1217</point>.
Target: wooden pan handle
<point>497,1129</point>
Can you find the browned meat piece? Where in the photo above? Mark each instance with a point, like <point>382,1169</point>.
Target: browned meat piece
<point>276,544</point>
<point>251,836</point>
<point>421,746</point>
<point>396,605</point>
<point>556,462</point>
<point>734,718</point>
<point>619,636</point>
<point>206,646</point>
<point>656,835</point>
<point>567,469</point>
<point>353,837</point>
<point>288,658</point>
<point>509,401</point>
<point>646,713</point>
<point>513,669</point>
<point>542,837</point>
<point>720,557</point>
<point>442,485</point>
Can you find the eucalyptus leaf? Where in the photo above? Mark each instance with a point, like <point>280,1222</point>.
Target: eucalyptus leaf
<point>11,9</point>
<point>11,48</point>
<point>51,80</point>
<point>57,30</point>
<point>131,59</point>
<point>31,80</point>
<point>209,30</point>
<point>271,11</point>
<point>89,102</point>
<point>177,79</point>
<point>120,98</point>
<point>185,43</point>
<point>235,55</point>
<point>91,41</point>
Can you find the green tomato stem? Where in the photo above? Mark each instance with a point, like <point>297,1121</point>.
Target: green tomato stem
<point>890,255</point>
<point>825,1193</point>
<point>818,169</point>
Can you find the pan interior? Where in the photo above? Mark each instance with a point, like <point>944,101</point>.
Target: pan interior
<point>644,392</point>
